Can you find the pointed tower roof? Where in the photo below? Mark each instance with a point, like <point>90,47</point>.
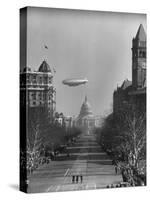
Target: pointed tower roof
<point>44,67</point>
<point>141,35</point>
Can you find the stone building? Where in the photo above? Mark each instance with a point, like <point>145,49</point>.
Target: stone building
<point>139,59</point>
<point>120,96</point>
<point>37,90</point>
<point>69,122</point>
<point>134,92</point>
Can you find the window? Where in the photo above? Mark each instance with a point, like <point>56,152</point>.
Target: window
<point>44,96</point>
<point>45,80</point>
<point>142,54</point>
<point>34,95</point>
<point>50,80</point>
<point>40,96</point>
<point>34,78</point>
<point>142,43</point>
<point>40,80</point>
<point>27,78</point>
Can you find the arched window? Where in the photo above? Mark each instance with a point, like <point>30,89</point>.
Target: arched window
<point>144,54</point>
<point>141,54</point>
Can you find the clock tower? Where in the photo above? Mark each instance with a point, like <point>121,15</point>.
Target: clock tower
<point>139,59</point>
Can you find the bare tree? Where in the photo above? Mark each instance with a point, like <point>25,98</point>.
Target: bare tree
<point>131,126</point>
<point>35,137</point>
<point>123,136</point>
<point>132,129</point>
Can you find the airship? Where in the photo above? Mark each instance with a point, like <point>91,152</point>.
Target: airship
<point>74,82</point>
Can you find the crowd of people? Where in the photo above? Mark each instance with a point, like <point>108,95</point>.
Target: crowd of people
<point>119,185</point>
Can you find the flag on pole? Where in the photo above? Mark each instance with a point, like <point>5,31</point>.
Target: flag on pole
<point>45,46</point>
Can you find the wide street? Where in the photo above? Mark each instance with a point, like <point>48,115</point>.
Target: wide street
<point>86,158</point>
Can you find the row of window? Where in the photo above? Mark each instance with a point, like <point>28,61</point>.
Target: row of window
<point>34,83</point>
<point>142,43</point>
<point>141,54</point>
<point>38,103</point>
<point>40,96</point>
<point>37,79</point>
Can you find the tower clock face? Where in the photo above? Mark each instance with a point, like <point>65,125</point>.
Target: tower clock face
<point>142,65</point>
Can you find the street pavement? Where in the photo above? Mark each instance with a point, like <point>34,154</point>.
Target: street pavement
<point>86,158</point>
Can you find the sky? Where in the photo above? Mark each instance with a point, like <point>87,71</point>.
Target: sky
<point>83,44</point>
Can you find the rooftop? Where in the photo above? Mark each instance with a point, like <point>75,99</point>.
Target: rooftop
<point>126,83</point>
<point>141,35</point>
<point>44,67</point>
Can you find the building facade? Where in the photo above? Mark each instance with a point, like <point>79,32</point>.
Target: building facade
<point>134,92</point>
<point>37,90</point>
<point>139,59</point>
<point>64,121</point>
<point>120,95</point>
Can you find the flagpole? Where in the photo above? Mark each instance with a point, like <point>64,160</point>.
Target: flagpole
<point>45,50</point>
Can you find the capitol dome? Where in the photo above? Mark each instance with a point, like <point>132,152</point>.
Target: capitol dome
<point>86,110</point>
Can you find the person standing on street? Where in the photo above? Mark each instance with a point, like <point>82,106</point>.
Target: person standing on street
<point>77,178</point>
<point>81,178</point>
<point>73,179</point>
<point>116,169</point>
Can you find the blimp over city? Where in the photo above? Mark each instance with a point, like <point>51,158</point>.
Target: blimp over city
<point>74,82</point>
